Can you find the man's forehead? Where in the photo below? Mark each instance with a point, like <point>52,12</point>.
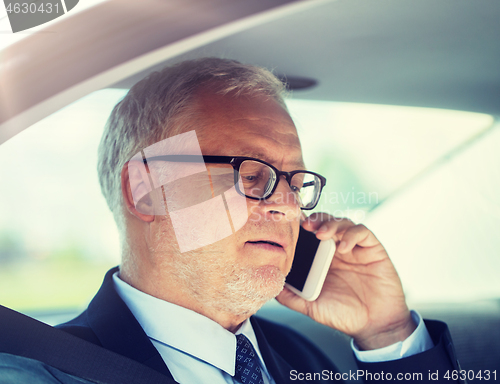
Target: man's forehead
<point>256,127</point>
<point>287,157</point>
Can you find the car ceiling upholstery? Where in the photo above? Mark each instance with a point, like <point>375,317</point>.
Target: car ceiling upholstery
<point>431,53</point>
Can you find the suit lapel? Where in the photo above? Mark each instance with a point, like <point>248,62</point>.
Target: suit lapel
<point>118,330</point>
<point>276,365</point>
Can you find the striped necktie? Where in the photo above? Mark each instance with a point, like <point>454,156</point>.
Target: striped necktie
<point>247,362</point>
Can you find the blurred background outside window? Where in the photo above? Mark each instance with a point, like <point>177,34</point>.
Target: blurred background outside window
<point>426,181</point>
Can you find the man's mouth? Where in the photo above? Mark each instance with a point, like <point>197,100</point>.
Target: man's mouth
<point>265,242</point>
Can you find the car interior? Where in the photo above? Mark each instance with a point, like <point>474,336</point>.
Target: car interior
<point>397,103</point>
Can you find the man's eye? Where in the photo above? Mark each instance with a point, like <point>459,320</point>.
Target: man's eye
<point>250,177</point>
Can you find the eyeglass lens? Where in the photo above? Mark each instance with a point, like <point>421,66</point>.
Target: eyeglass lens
<point>258,181</point>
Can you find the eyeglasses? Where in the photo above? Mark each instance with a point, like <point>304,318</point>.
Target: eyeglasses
<point>254,178</point>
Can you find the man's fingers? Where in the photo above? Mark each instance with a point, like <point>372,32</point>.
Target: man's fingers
<point>356,235</point>
<point>347,235</point>
<point>292,301</point>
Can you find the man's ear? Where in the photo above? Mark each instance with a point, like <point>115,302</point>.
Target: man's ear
<point>136,191</point>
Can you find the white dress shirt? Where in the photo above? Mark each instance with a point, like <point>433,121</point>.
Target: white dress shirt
<point>418,341</point>
<point>197,350</point>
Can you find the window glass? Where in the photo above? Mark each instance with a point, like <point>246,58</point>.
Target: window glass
<point>58,238</point>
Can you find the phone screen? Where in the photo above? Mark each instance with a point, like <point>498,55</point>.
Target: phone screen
<point>306,248</point>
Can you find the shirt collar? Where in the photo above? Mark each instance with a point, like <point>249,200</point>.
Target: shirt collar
<point>184,329</point>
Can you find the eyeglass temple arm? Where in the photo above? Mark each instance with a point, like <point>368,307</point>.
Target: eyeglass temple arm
<point>191,159</point>
<point>176,158</point>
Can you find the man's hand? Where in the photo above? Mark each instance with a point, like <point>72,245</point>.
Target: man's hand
<point>362,295</point>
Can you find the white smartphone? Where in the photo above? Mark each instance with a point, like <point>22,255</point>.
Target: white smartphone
<point>310,265</point>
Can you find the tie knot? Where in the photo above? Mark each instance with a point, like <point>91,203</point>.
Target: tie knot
<point>247,363</point>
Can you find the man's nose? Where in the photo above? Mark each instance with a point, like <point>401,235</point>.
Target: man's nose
<point>283,201</point>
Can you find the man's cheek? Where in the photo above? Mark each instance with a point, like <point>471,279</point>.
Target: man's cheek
<point>237,208</point>
<point>200,225</point>
<point>289,260</point>
<point>254,211</point>
<point>207,222</point>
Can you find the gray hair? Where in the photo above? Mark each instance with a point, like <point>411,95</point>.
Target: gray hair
<point>158,106</point>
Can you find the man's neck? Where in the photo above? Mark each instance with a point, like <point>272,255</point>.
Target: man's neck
<point>176,293</point>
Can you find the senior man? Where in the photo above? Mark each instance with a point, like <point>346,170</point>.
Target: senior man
<point>187,312</point>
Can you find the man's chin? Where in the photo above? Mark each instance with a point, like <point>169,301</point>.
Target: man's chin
<point>252,289</point>
<point>269,281</point>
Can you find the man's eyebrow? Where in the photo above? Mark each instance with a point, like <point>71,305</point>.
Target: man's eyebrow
<point>258,155</point>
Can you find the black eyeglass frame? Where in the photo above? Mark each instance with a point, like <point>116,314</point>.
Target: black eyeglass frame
<point>235,162</point>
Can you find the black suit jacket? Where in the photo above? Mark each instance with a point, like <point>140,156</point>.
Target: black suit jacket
<point>109,323</point>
